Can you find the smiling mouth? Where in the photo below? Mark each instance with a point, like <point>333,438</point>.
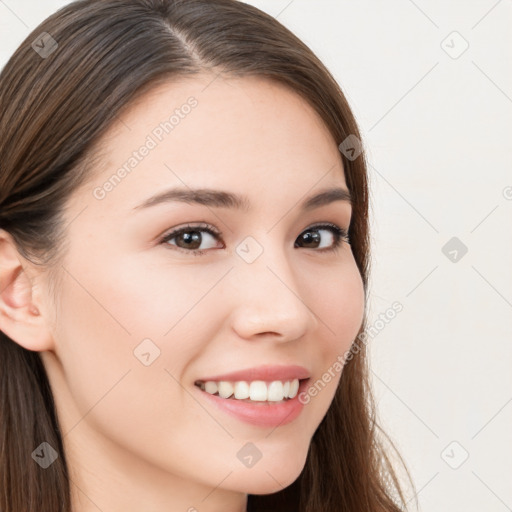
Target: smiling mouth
<point>255,392</point>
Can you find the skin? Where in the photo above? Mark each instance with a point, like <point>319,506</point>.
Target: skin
<point>138,437</point>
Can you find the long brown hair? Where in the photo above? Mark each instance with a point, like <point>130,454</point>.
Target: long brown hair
<point>59,92</point>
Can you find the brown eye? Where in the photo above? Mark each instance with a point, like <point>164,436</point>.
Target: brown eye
<point>313,239</point>
<point>191,238</point>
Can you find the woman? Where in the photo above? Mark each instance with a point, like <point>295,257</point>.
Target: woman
<point>184,265</point>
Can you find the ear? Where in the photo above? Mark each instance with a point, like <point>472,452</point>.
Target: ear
<point>20,316</point>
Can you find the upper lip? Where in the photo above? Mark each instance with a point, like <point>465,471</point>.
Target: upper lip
<point>265,373</point>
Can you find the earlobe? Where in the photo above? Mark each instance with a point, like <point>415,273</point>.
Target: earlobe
<point>20,317</point>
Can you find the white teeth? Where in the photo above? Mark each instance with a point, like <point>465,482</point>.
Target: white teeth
<point>225,389</point>
<point>275,391</point>
<point>294,387</point>
<point>211,387</point>
<point>258,390</point>
<point>241,390</point>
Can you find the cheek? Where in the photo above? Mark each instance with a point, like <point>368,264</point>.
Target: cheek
<point>340,309</point>
<point>158,299</point>
<point>109,317</point>
<point>93,340</point>
<point>102,321</point>
<point>340,306</point>
<point>118,315</point>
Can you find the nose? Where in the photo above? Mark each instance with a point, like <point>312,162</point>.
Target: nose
<point>269,299</point>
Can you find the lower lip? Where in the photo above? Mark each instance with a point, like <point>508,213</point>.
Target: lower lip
<point>261,414</point>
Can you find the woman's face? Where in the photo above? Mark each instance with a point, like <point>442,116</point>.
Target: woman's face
<point>142,316</point>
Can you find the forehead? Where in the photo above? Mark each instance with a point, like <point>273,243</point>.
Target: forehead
<point>249,134</point>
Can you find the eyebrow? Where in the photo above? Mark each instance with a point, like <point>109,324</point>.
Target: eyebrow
<point>223,199</point>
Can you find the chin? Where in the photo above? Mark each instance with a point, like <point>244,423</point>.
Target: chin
<point>271,484</point>
<point>267,478</point>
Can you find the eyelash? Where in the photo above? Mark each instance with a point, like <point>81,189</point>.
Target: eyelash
<point>340,235</point>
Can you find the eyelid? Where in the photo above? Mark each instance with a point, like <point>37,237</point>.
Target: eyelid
<point>327,224</point>
<point>200,225</point>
